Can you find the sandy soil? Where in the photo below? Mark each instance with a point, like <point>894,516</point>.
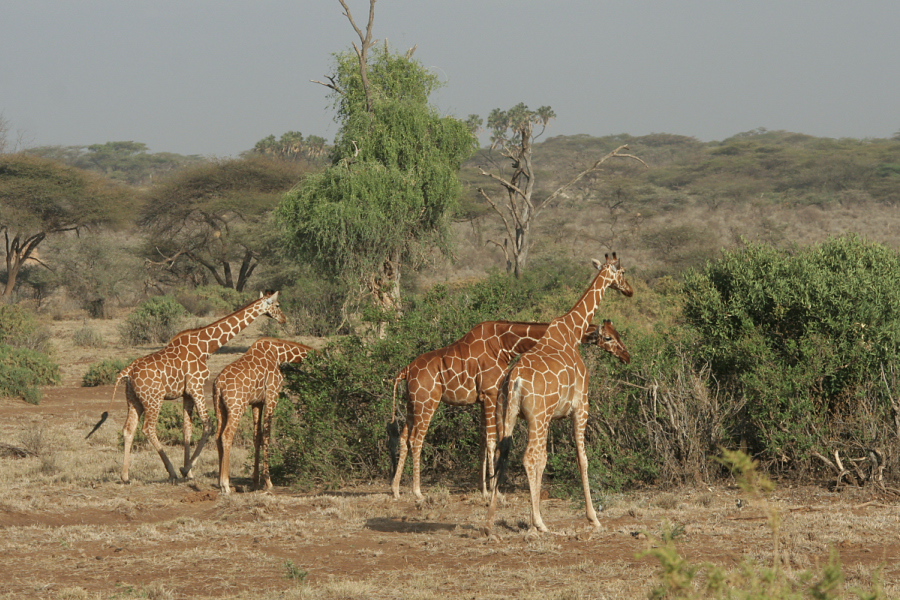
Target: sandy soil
<point>71,530</point>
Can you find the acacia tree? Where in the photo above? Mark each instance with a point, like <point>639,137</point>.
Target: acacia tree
<point>513,134</point>
<point>292,146</point>
<point>40,198</point>
<point>216,216</point>
<point>392,185</point>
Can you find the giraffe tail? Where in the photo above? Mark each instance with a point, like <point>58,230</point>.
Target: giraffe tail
<point>122,375</point>
<point>393,428</point>
<point>504,442</point>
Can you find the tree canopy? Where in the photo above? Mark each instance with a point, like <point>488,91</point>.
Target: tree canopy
<point>128,162</point>
<point>41,197</point>
<point>392,186</point>
<point>216,215</point>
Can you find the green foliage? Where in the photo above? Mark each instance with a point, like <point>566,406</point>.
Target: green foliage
<point>292,146</point>
<point>313,306</point>
<point>129,162</point>
<point>809,337</point>
<point>24,362</point>
<point>393,183</point>
<point>211,300</point>
<point>104,372</point>
<point>155,321</point>
<point>22,370</point>
<point>20,328</point>
<point>293,572</point>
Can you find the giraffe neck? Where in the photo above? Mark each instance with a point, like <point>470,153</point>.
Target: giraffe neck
<point>222,331</point>
<point>571,327</point>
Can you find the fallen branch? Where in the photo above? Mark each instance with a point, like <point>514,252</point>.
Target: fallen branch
<point>10,450</point>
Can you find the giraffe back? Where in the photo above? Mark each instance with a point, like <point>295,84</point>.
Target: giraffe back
<point>249,377</point>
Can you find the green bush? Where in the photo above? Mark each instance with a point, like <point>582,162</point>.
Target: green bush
<point>19,328</point>
<point>104,372</point>
<point>808,338</point>
<point>155,321</point>
<point>22,370</point>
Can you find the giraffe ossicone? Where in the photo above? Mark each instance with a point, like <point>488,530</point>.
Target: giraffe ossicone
<point>549,382</point>
<point>252,380</point>
<point>180,370</point>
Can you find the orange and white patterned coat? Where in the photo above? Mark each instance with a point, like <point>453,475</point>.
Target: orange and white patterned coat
<point>252,380</point>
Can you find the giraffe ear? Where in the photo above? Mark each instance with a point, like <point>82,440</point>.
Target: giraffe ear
<point>597,264</point>
<point>274,296</point>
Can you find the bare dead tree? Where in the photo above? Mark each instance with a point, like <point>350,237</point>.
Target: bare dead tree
<point>519,209</point>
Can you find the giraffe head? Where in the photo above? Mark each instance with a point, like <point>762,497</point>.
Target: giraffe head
<point>608,339</point>
<point>614,273</point>
<point>271,307</point>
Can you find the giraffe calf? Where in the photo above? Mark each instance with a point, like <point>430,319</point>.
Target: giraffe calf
<point>255,380</point>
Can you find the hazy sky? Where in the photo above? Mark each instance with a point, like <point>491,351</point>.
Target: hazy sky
<point>212,77</point>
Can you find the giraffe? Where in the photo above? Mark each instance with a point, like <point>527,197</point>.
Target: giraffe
<point>465,372</point>
<point>254,379</point>
<point>180,369</point>
<point>550,382</point>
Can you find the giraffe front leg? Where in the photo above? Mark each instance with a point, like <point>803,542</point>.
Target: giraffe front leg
<point>228,425</point>
<point>579,422</point>
<point>489,443</point>
<point>187,431</point>
<point>416,441</point>
<point>269,410</point>
<point>535,460</point>
<point>151,414</point>
<point>258,415</point>
<point>189,459</point>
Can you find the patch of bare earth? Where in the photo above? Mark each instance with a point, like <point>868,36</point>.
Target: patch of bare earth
<point>71,530</point>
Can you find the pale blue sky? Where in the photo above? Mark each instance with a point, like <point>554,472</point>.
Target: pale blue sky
<point>212,77</point>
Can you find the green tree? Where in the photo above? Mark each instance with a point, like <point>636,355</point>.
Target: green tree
<point>513,133</point>
<point>292,146</point>
<point>216,215</point>
<point>40,198</point>
<point>392,185</point>
<point>129,162</point>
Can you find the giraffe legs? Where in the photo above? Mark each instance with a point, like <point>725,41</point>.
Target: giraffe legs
<point>229,418</point>
<point>420,408</point>
<point>191,397</point>
<point>416,440</point>
<point>535,460</point>
<point>150,409</point>
<point>401,458</point>
<point>135,410</point>
<point>488,442</point>
<point>151,414</point>
<point>579,422</point>
<point>262,417</point>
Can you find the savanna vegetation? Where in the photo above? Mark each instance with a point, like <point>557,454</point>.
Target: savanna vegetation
<point>765,266</point>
